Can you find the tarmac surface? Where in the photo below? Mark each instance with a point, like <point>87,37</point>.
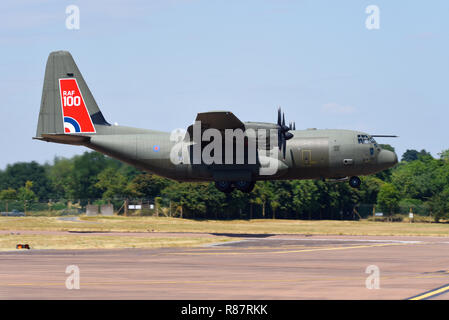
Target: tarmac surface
<point>251,267</point>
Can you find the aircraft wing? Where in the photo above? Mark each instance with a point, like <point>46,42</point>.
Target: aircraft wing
<point>219,120</point>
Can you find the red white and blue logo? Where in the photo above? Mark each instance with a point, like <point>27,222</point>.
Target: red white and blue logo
<point>74,110</point>
<point>71,125</point>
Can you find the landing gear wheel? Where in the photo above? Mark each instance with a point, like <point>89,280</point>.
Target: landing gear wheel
<point>355,182</point>
<point>244,186</point>
<point>224,186</point>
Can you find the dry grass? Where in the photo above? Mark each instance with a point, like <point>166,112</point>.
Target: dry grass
<point>37,241</point>
<point>162,224</point>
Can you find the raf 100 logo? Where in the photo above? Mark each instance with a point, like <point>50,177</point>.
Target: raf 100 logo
<point>70,100</point>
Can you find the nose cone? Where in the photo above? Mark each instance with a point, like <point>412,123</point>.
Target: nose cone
<point>386,159</point>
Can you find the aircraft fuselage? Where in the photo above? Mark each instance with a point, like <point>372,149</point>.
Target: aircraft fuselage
<point>311,154</point>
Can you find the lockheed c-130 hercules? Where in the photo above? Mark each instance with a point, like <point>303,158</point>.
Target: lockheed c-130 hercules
<point>252,150</point>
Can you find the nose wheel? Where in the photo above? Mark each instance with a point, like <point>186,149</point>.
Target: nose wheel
<point>355,182</point>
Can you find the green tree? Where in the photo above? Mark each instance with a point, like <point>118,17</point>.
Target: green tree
<point>196,199</point>
<point>60,174</point>
<point>274,205</point>
<point>84,176</point>
<point>410,155</point>
<point>8,195</point>
<point>439,205</point>
<point>305,198</point>
<point>387,147</point>
<point>16,175</point>
<point>263,194</point>
<point>419,179</point>
<point>424,155</point>
<point>112,183</point>
<point>26,194</point>
<point>148,186</point>
<point>444,155</point>
<point>388,198</point>
<point>369,189</point>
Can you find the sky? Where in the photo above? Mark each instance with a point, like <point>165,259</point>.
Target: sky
<point>156,64</point>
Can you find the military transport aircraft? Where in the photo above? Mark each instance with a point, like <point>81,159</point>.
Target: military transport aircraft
<point>271,151</point>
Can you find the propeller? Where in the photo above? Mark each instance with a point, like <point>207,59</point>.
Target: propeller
<point>292,126</point>
<point>283,134</point>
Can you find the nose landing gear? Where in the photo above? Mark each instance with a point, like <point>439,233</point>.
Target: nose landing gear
<point>355,182</point>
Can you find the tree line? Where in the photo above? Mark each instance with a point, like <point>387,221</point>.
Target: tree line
<point>418,181</point>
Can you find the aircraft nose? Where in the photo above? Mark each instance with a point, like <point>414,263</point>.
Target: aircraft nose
<point>386,159</point>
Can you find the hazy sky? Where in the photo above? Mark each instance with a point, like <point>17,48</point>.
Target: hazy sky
<point>155,64</point>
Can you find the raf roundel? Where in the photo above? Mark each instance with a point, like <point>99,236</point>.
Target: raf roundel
<point>156,148</point>
<point>71,125</point>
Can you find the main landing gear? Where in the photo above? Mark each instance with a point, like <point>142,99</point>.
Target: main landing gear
<point>229,186</point>
<point>355,182</point>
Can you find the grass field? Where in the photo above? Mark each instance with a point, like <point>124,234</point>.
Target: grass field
<point>152,225</point>
<point>162,224</point>
<point>8,242</point>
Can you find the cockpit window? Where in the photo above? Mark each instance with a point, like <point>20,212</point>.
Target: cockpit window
<point>365,139</point>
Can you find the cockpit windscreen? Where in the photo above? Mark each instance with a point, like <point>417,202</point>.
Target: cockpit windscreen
<point>365,139</point>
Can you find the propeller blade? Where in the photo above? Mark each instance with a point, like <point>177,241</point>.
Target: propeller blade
<point>283,134</point>
<point>279,116</point>
<point>284,127</point>
<point>280,138</point>
<point>284,147</point>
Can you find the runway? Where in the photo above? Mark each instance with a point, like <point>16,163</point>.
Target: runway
<point>250,267</point>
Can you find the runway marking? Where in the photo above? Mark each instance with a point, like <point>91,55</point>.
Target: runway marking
<point>146,282</point>
<point>168,282</point>
<point>220,248</point>
<point>345,240</point>
<point>219,244</point>
<point>431,293</point>
<point>287,251</point>
<point>224,244</point>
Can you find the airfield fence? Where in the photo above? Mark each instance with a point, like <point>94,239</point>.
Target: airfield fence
<point>166,207</point>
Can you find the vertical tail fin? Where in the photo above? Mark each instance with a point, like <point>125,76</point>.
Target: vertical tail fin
<point>67,105</point>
